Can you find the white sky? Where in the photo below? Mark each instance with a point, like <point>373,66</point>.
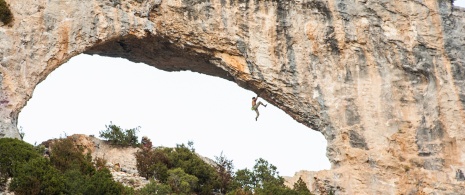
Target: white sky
<point>85,94</point>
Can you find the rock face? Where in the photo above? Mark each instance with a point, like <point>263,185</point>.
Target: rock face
<point>383,81</point>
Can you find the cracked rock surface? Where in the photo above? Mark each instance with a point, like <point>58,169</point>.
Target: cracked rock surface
<point>383,81</point>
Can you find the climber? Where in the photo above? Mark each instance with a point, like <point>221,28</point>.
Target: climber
<point>255,105</point>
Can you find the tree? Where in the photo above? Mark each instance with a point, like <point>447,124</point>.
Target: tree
<point>301,187</point>
<point>152,163</point>
<point>146,143</point>
<point>181,182</point>
<point>224,168</point>
<point>65,155</point>
<point>243,181</point>
<point>155,188</point>
<point>102,183</point>
<point>115,135</point>
<point>158,163</point>
<point>264,179</point>
<point>192,164</point>
<point>14,152</point>
<point>37,176</point>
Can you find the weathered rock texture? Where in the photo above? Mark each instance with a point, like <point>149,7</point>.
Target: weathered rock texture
<point>382,80</point>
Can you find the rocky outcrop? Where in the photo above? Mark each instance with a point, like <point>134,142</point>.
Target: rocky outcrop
<point>121,161</point>
<point>383,81</point>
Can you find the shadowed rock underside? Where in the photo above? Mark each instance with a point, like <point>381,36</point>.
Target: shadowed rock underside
<point>383,81</point>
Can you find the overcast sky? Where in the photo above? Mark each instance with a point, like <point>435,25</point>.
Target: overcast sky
<point>89,92</point>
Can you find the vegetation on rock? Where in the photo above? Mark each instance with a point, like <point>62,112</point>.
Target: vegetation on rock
<point>115,135</point>
<point>184,172</point>
<point>5,14</point>
<point>13,153</point>
<point>69,169</point>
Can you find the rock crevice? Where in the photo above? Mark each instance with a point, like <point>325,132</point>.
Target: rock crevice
<point>383,81</point>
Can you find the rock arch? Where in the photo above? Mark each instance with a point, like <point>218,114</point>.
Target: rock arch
<point>383,81</point>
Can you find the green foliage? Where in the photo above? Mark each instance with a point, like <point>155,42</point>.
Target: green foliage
<point>66,156</point>
<point>225,170</point>
<point>155,188</point>
<point>76,182</point>
<point>100,162</point>
<point>264,179</point>
<point>80,175</point>
<point>37,176</point>
<point>115,135</point>
<point>146,143</point>
<point>68,171</point>
<point>301,187</point>
<point>178,171</point>
<point>14,152</point>
<point>5,14</point>
<point>243,181</point>
<point>153,163</point>
<point>181,182</point>
<point>192,164</point>
<point>102,183</point>
<point>157,163</point>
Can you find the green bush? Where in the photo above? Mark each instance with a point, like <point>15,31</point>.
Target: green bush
<point>14,152</point>
<point>68,171</point>
<point>301,187</point>
<point>243,181</point>
<point>65,155</point>
<point>5,14</point>
<point>152,163</point>
<point>115,135</point>
<point>155,188</point>
<point>225,169</point>
<point>264,179</point>
<point>102,183</point>
<point>192,164</point>
<point>80,175</point>
<point>37,176</point>
<point>181,182</point>
<point>158,163</point>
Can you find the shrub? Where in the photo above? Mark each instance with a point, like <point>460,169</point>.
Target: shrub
<point>5,14</point>
<point>37,176</point>
<point>100,162</point>
<point>155,188</point>
<point>243,181</point>
<point>153,163</point>
<point>181,182</point>
<point>68,171</point>
<point>264,179</point>
<point>224,168</point>
<point>192,164</point>
<point>115,135</point>
<point>14,152</point>
<point>301,187</point>
<point>146,143</point>
<point>66,156</point>
<point>102,183</point>
<point>157,163</point>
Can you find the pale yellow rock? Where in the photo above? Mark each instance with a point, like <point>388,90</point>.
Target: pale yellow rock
<point>383,81</point>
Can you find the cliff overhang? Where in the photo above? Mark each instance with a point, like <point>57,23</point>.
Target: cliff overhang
<point>383,81</point>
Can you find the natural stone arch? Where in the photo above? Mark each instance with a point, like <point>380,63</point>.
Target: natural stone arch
<point>383,81</point>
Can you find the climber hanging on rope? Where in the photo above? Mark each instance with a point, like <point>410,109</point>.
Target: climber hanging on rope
<point>255,105</point>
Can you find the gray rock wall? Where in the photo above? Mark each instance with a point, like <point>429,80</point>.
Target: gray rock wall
<point>383,81</point>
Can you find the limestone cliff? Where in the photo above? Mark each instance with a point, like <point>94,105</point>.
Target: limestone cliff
<point>382,80</point>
